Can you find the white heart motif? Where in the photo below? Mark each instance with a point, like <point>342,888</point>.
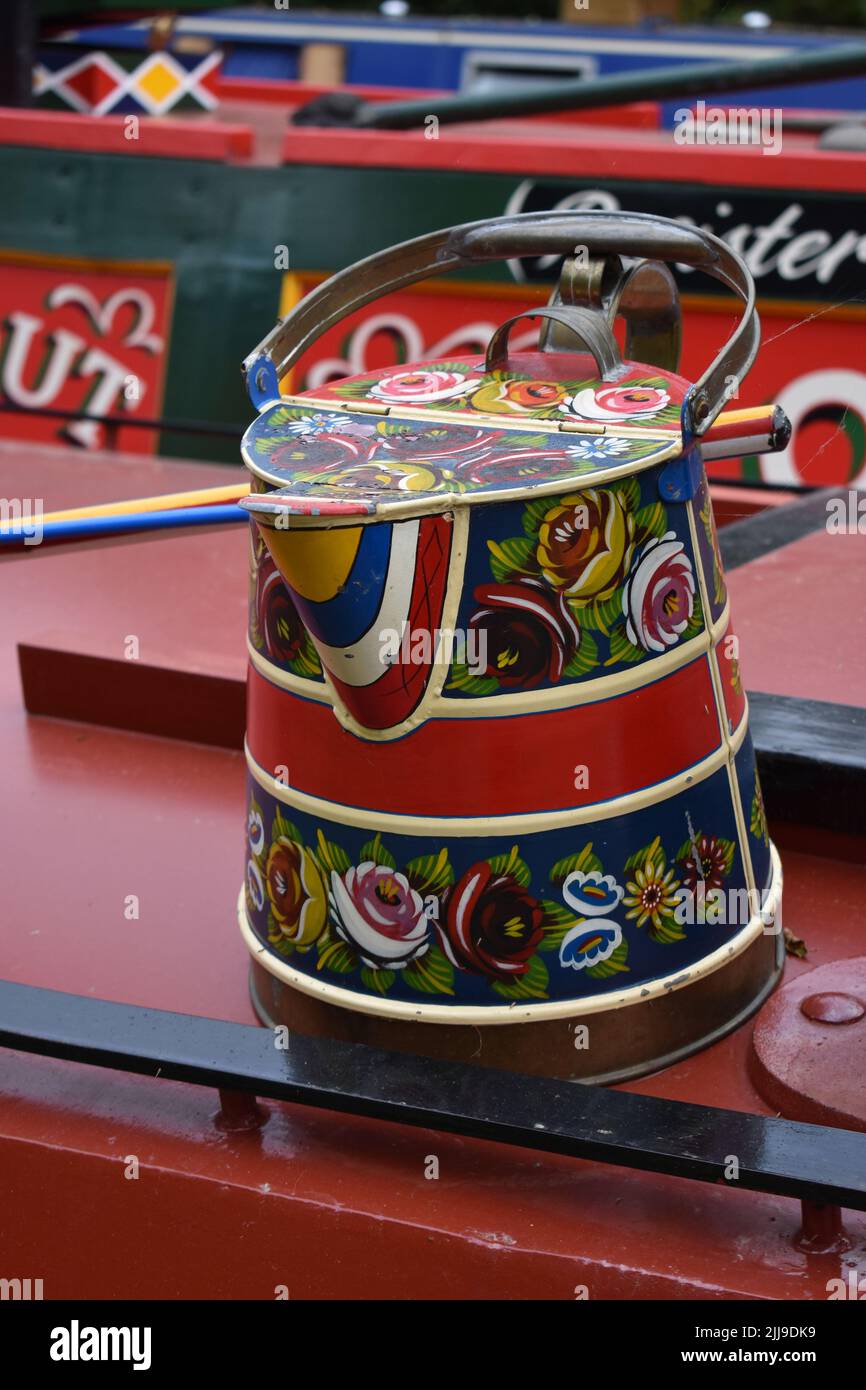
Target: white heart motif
<point>102,315</point>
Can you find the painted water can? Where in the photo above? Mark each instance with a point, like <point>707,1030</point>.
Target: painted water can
<point>503,803</point>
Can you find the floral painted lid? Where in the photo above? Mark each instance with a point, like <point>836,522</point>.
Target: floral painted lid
<point>429,433</point>
<point>641,396</point>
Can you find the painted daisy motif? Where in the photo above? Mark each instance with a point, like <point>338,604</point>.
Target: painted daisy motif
<point>598,450</point>
<point>589,943</point>
<point>313,425</point>
<point>617,402</point>
<point>652,896</point>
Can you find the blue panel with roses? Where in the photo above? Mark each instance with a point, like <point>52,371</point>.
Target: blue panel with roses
<point>576,587</point>
<point>549,915</point>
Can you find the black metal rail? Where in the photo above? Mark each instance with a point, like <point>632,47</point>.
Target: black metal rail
<point>771,529</point>
<point>812,759</point>
<point>809,1162</point>
<point>115,422</point>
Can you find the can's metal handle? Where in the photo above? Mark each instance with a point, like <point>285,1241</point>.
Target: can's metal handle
<point>528,234</point>
<point>590,326</point>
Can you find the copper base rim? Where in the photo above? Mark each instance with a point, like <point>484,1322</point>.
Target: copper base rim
<point>622,1043</point>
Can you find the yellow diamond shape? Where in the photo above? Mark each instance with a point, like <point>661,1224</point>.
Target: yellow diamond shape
<point>158,82</point>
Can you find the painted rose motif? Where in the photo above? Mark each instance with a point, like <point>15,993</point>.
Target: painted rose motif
<point>526,633</point>
<point>316,453</point>
<point>586,543</point>
<point>375,910</point>
<point>618,402</point>
<point>420,387</point>
<point>296,890</point>
<point>491,925</point>
<point>521,397</point>
<point>659,595</point>
<point>277,618</point>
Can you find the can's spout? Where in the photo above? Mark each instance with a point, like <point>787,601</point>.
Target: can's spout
<point>360,591</point>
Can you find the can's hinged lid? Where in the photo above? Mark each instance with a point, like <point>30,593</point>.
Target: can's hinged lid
<point>417,439</point>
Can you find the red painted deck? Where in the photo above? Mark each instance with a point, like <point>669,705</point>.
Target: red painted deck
<point>801,620</point>
<point>329,1206</point>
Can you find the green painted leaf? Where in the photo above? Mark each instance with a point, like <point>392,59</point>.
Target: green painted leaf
<point>730,851</point>
<point>651,521</point>
<point>621,649</point>
<point>512,865</point>
<point>667,933</point>
<point>463,679</point>
<point>685,849</point>
<point>532,985</point>
<point>280,943</point>
<point>585,862</point>
<point>512,557</point>
<point>283,415</point>
<point>653,852</point>
<point>558,921</point>
<point>430,873</point>
<point>332,856</point>
<point>534,513</point>
<point>528,441</point>
<point>374,850</point>
<point>266,443</point>
<point>431,973</point>
<point>461,367</point>
<point>660,383</point>
<point>282,946</point>
<point>335,955</point>
<point>600,615</point>
<point>614,965</point>
<point>695,623</point>
<point>629,490</point>
<point>353,390</point>
<point>392,427</point>
<point>286,828</point>
<point>307,663</point>
<point>380,981</point>
<point>585,658</point>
